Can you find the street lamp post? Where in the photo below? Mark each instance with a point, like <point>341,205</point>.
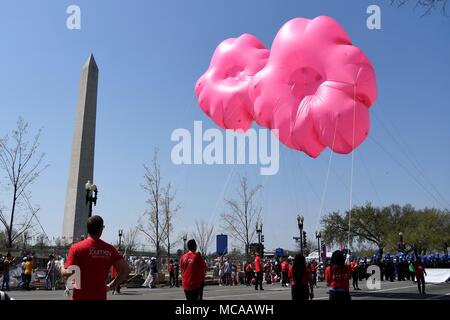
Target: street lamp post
<point>91,196</point>
<point>318,236</point>
<point>259,231</point>
<point>259,227</point>
<point>120,238</point>
<point>300,220</point>
<point>184,242</point>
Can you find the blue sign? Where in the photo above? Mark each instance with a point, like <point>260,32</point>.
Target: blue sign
<point>279,252</point>
<point>222,244</point>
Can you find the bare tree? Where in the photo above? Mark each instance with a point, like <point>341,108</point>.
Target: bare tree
<point>203,235</point>
<point>310,246</point>
<point>151,223</point>
<point>243,214</point>
<point>58,242</point>
<point>130,240</point>
<point>20,160</point>
<point>41,241</point>
<point>426,5</point>
<point>3,239</point>
<point>169,211</point>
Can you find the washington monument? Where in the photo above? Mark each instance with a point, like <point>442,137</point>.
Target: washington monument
<point>81,168</point>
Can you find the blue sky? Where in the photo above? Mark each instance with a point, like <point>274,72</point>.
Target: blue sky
<point>150,54</point>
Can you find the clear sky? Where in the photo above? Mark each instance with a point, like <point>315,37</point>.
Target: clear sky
<point>150,54</point>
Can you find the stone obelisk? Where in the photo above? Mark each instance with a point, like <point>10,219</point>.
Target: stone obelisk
<point>82,158</point>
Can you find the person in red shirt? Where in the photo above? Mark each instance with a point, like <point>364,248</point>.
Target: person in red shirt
<point>300,276</point>
<point>94,259</point>
<point>248,273</point>
<point>419,270</point>
<point>285,272</point>
<point>313,268</point>
<point>192,272</point>
<point>114,274</point>
<point>259,272</point>
<point>355,273</point>
<point>337,276</point>
<point>171,269</point>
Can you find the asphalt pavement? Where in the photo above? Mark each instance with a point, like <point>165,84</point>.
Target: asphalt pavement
<point>398,290</point>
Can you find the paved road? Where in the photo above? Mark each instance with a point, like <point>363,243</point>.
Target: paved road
<point>389,290</point>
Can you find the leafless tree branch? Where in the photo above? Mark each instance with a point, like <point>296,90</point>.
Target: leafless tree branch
<point>203,234</point>
<point>427,6</point>
<point>243,214</point>
<point>23,166</point>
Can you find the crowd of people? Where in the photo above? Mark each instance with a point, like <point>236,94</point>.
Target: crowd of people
<point>275,270</point>
<point>148,269</point>
<point>337,272</point>
<point>102,267</point>
<point>21,272</point>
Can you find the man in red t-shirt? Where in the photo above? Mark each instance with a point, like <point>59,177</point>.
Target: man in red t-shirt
<point>419,270</point>
<point>259,272</point>
<point>94,258</point>
<point>285,272</point>
<point>192,271</point>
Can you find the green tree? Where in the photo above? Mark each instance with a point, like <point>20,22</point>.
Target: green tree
<point>367,225</point>
<point>427,230</point>
<point>423,230</point>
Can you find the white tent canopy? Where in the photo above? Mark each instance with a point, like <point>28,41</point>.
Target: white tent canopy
<point>315,256</point>
<point>437,275</point>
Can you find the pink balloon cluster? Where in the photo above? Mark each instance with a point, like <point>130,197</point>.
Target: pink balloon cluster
<point>314,86</point>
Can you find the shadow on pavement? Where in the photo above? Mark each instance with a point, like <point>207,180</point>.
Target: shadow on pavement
<point>393,295</point>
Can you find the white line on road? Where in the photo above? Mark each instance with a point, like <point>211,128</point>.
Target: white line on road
<point>383,290</point>
<point>237,295</point>
<point>440,296</point>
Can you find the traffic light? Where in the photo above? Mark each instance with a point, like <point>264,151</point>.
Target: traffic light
<point>262,238</point>
<point>304,239</point>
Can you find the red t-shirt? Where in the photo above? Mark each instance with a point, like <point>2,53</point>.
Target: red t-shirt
<point>95,258</point>
<point>258,265</point>
<point>192,270</point>
<point>114,271</point>
<point>341,277</point>
<point>284,266</point>
<point>170,267</point>
<point>248,268</point>
<point>419,269</point>
<point>304,280</point>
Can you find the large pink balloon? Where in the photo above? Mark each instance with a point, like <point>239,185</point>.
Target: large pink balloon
<point>315,89</point>
<point>223,90</point>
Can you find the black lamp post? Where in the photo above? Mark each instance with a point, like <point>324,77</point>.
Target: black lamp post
<point>318,236</point>
<point>300,220</point>
<point>259,231</point>
<point>259,228</point>
<point>91,196</point>
<point>184,242</point>
<point>120,238</point>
